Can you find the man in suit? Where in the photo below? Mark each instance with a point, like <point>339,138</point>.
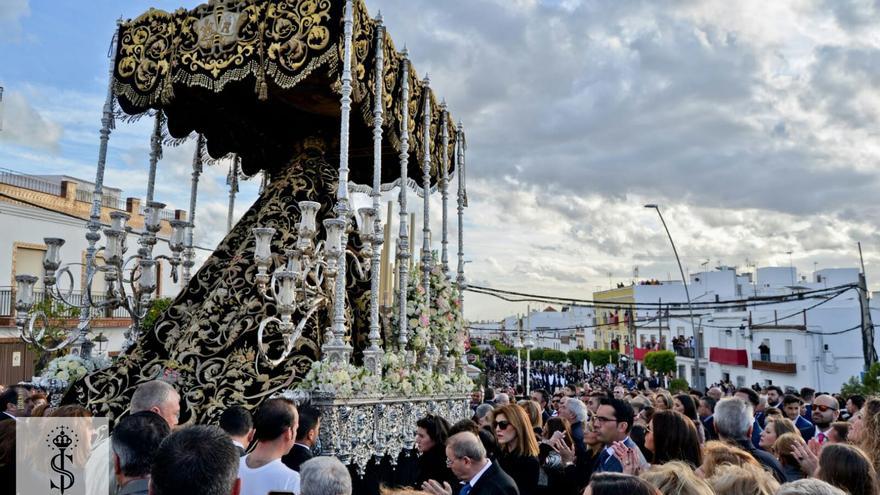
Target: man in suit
<point>542,397</point>
<point>734,420</point>
<point>791,408</point>
<point>575,412</point>
<point>306,437</point>
<point>751,397</point>
<point>825,411</point>
<point>612,422</point>
<point>706,412</point>
<point>11,402</point>
<point>466,457</point>
<point>808,394</point>
<point>238,423</point>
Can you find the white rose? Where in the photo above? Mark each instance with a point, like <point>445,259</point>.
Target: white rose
<point>62,375</point>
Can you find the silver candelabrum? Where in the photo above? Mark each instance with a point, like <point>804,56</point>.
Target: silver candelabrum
<point>130,281</point>
<point>305,281</point>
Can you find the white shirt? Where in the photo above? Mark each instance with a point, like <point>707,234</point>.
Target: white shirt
<point>816,435</point>
<point>274,476</point>
<point>473,481</point>
<point>11,416</point>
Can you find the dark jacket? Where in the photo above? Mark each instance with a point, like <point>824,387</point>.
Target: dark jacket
<point>709,428</point>
<point>766,459</point>
<point>297,455</point>
<point>807,429</point>
<point>432,466</point>
<point>524,470</point>
<point>494,482</point>
<point>577,434</point>
<point>577,476</point>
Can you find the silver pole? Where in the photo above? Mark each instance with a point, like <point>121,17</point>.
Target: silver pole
<point>155,155</point>
<point>93,226</point>
<point>426,188</point>
<point>444,189</point>
<point>461,204</point>
<point>697,341</point>
<point>403,236</point>
<point>372,356</point>
<point>339,350</point>
<point>232,181</point>
<point>189,253</point>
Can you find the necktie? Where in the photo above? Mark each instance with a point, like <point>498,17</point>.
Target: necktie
<point>465,489</point>
<point>821,437</point>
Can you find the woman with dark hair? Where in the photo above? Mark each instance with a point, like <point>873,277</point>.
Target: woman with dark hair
<point>684,404</point>
<point>619,484</point>
<point>551,475</point>
<point>673,437</point>
<point>847,468</point>
<point>431,434</point>
<point>518,450</point>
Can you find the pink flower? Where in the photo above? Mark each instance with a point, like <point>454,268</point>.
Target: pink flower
<point>450,317</point>
<point>423,320</point>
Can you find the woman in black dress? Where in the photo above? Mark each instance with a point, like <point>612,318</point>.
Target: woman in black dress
<point>518,455</point>
<point>431,434</point>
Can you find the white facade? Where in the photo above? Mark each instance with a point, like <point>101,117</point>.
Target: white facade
<point>815,342</point>
<point>563,330</point>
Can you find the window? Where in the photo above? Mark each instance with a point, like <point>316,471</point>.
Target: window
<point>28,260</point>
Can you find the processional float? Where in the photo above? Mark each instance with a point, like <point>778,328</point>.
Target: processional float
<point>288,302</point>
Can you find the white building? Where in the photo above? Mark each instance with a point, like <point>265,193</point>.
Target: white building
<point>565,329</point>
<point>814,340</point>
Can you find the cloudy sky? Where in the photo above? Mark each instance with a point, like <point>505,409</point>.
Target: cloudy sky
<point>753,124</point>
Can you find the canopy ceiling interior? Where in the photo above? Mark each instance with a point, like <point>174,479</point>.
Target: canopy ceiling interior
<point>255,76</point>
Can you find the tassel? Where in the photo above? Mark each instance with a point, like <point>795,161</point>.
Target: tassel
<point>263,94</point>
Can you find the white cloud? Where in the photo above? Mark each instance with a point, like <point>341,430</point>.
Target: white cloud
<point>11,13</point>
<point>24,125</point>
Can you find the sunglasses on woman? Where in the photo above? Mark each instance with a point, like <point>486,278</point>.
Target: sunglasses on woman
<point>502,425</point>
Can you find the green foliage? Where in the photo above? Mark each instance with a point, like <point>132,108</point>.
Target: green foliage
<point>157,307</point>
<point>679,385</point>
<point>578,356</point>
<point>601,357</point>
<point>869,384</point>
<point>476,351</point>
<point>554,356</point>
<point>660,361</point>
<point>538,354</point>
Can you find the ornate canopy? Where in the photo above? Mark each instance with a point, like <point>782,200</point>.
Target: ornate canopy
<point>254,75</point>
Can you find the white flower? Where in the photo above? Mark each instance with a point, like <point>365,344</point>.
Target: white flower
<point>62,375</point>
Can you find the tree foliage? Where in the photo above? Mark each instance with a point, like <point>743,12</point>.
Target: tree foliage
<point>578,356</point>
<point>660,361</point>
<point>601,357</point>
<point>679,385</point>
<point>867,384</point>
<point>157,307</point>
<point>54,332</point>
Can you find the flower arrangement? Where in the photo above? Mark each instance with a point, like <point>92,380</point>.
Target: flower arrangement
<point>340,379</point>
<point>70,368</point>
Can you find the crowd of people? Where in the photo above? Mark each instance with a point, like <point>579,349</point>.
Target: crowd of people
<point>591,438</point>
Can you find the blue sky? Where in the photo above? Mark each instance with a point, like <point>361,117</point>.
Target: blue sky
<point>754,124</point>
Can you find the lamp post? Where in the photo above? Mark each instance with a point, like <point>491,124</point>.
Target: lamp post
<point>687,294</point>
<point>518,345</point>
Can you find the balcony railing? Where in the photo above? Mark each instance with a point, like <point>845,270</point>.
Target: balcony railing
<point>23,181</point>
<point>778,363</point>
<point>106,201</point>
<point>7,304</point>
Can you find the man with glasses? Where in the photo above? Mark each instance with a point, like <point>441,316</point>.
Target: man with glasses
<point>825,412</point>
<point>466,458</point>
<point>613,422</point>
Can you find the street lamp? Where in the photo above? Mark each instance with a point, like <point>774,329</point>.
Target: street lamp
<point>687,294</point>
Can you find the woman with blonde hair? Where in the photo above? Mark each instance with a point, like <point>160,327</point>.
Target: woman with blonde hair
<point>864,430</point>
<point>748,479</point>
<point>775,429</point>
<point>782,448</point>
<point>518,454</point>
<point>663,401</point>
<point>717,454</point>
<point>676,478</point>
